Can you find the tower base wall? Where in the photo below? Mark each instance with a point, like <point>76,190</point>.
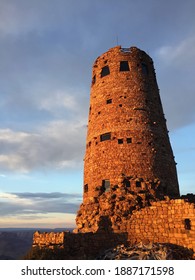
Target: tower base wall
<point>167,221</point>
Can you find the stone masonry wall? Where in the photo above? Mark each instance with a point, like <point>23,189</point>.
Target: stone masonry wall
<point>142,215</point>
<point>79,246</point>
<point>166,221</point>
<point>49,239</point>
<point>114,208</point>
<point>127,131</point>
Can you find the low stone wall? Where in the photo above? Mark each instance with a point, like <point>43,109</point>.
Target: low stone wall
<point>79,245</point>
<point>165,222</point>
<point>49,239</point>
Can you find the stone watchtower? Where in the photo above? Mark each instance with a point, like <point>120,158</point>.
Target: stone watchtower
<point>127,138</point>
<point>131,192</point>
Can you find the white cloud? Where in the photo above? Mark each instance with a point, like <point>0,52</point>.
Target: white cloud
<point>14,199</point>
<point>13,204</point>
<point>7,196</point>
<point>57,145</point>
<point>58,100</point>
<point>38,209</point>
<point>9,135</point>
<point>13,162</point>
<point>182,52</point>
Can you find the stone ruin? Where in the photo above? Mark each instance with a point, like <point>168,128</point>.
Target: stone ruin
<point>131,192</point>
<point>119,203</point>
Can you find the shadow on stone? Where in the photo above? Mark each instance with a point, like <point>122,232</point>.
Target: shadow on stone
<point>76,246</point>
<point>104,225</point>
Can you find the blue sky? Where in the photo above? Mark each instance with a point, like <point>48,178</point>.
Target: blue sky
<point>47,49</point>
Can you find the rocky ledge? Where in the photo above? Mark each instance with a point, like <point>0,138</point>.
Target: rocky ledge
<point>150,251</point>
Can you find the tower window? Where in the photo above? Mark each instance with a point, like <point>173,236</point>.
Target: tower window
<point>93,79</point>
<point>187,224</point>
<point>106,185</point>
<point>144,69</point>
<point>108,101</point>
<point>129,140</point>
<point>85,188</point>
<point>120,141</point>
<point>105,71</point>
<point>105,136</point>
<point>127,183</point>
<point>124,66</point>
<point>138,184</point>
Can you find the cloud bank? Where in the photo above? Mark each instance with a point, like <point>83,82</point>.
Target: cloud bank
<point>57,145</point>
<point>31,205</point>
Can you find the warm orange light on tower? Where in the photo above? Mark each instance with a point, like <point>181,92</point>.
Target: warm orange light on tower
<point>127,136</point>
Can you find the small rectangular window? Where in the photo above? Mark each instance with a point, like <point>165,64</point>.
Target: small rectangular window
<point>144,69</point>
<point>187,223</point>
<point>127,183</point>
<point>138,184</point>
<point>129,140</point>
<point>105,71</point>
<point>106,185</point>
<point>105,136</point>
<point>124,66</point>
<point>108,101</point>
<point>120,141</point>
<point>85,188</point>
